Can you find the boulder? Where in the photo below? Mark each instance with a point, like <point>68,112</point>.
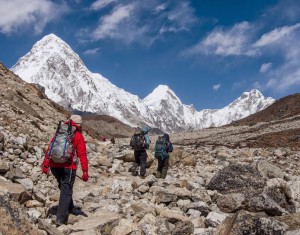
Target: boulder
<point>244,222</point>
<point>14,219</point>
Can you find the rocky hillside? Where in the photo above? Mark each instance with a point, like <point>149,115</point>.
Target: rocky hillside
<point>286,107</point>
<point>221,181</point>
<point>275,126</point>
<point>100,126</point>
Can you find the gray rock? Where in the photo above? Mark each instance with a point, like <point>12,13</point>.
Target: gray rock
<point>183,228</point>
<point>267,170</point>
<point>236,177</point>
<point>4,167</point>
<point>102,221</point>
<point>247,223</point>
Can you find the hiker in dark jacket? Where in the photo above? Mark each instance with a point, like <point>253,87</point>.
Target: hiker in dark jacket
<point>65,173</point>
<point>163,163</point>
<point>113,140</point>
<point>140,155</point>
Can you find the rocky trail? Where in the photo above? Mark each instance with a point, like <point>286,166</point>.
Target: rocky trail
<point>238,179</point>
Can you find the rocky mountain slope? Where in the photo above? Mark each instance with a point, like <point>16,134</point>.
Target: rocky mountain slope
<point>286,107</point>
<point>275,126</point>
<point>221,181</point>
<point>55,66</point>
<point>104,126</point>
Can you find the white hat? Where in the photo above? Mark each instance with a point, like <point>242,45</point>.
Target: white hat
<point>76,119</point>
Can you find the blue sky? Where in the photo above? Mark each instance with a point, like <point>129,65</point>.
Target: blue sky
<point>207,51</point>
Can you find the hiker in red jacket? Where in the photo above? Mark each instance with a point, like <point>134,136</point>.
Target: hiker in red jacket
<point>65,173</point>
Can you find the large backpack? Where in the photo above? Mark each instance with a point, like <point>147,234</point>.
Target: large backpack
<point>160,147</point>
<point>61,146</point>
<point>138,141</point>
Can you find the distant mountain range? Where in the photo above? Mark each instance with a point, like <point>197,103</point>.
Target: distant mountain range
<point>52,64</point>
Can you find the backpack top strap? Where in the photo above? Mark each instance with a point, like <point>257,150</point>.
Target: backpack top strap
<point>70,126</point>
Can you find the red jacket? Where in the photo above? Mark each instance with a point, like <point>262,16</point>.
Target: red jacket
<point>79,150</point>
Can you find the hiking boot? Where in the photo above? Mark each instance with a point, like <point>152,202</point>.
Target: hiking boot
<point>131,169</point>
<point>76,211</point>
<point>163,176</point>
<point>158,175</point>
<point>59,223</point>
<point>142,176</point>
<point>135,173</point>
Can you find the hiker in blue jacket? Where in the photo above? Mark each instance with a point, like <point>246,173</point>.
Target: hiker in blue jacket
<point>163,162</point>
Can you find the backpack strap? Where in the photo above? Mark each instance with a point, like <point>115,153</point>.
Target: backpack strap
<point>56,132</point>
<point>70,126</point>
<point>69,130</point>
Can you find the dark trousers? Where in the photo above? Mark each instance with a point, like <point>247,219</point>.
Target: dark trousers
<point>140,161</point>
<point>65,178</point>
<point>162,167</point>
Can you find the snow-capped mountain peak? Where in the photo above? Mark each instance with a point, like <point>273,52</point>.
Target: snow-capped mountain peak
<point>251,102</point>
<point>52,64</point>
<point>159,94</point>
<point>254,93</point>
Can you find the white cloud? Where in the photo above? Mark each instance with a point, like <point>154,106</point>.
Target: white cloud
<point>134,21</point>
<point>91,51</point>
<point>283,45</point>
<point>161,7</point>
<point>110,25</point>
<point>265,67</point>
<point>216,87</point>
<point>177,18</point>
<point>24,14</point>
<point>234,41</point>
<point>290,80</point>
<point>284,79</point>
<point>276,35</point>
<point>280,45</point>
<point>99,4</point>
<point>180,17</point>
<point>238,84</point>
<point>285,10</point>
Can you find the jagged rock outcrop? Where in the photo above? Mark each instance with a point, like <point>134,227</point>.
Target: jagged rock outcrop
<point>14,219</point>
<point>243,187</point>
<point>244,222</point>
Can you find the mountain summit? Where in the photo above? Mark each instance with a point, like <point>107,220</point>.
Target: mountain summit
<point>159,94</point>
<point>52,64</point>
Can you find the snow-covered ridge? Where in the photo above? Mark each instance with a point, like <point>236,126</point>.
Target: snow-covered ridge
<point>54,65</point>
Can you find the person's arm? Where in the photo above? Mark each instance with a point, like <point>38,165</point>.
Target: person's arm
<point>45,165</point>
<point>82,155</point>
<point>147,141</point>
<point>170,147</point>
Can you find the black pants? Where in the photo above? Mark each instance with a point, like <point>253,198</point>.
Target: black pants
<point>65,178</point>
<point>162,167</point>
<point>141,161</point>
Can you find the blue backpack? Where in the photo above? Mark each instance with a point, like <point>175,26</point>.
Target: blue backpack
<point>160,148</point>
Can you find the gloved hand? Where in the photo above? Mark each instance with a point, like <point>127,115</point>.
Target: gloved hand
<point>45,169</point>
<point>85,176</point>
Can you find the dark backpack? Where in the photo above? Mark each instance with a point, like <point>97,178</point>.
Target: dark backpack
<point>138,141</point>
<point>160,147</point>
<point>61,146</point>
